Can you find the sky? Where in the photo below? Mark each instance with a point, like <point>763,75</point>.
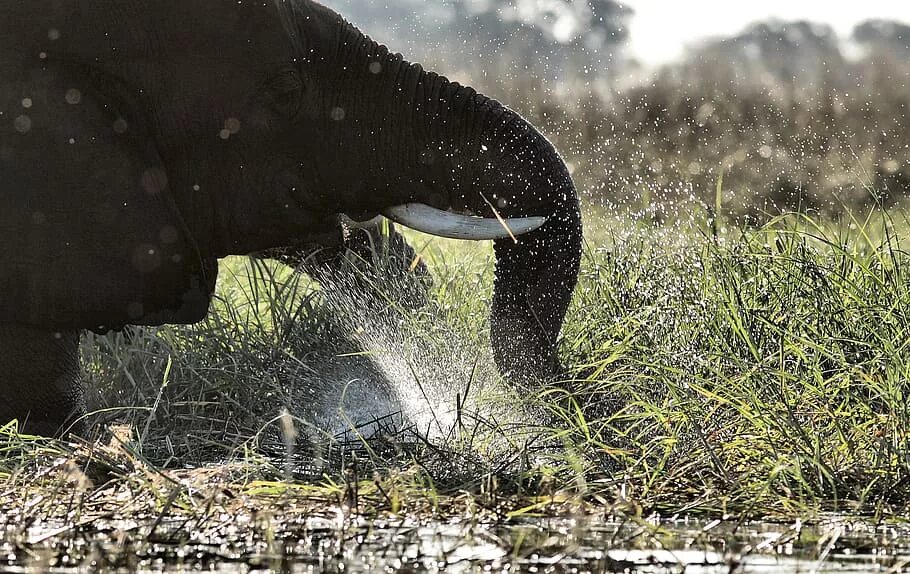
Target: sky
<point>660,29</point>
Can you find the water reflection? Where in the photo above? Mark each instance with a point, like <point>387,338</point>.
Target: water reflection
<point>339,543</point>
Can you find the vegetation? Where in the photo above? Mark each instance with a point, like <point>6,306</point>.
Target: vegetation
<point>761,372</point>
<point>764,371</point>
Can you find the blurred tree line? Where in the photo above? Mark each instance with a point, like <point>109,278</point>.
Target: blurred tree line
<point>793,115</point>
<point>791,120</point>
<point>520,43</point>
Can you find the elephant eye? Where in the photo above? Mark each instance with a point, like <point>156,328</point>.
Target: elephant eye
<point>285,93</point>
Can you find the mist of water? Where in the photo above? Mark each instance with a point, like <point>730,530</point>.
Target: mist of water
<point>411,369</point>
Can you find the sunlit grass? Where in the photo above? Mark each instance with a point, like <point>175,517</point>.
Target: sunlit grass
<point>764,371</point>
<point>757,372</point>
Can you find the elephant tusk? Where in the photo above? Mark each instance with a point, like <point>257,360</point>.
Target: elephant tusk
<point>441,223</point>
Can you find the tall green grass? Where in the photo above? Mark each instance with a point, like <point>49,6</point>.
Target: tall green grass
<point>765,370</point>
<point>707,369</point>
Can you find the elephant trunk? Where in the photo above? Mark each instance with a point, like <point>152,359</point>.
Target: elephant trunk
<point>465,152</point>
<point>504,168</point>
<point>536,273</point>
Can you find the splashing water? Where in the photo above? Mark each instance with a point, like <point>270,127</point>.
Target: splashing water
<point>411,369</point>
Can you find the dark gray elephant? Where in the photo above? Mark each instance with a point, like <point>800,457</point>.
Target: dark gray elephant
<point>141,141</point>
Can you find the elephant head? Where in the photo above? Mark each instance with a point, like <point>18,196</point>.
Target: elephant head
<point>393,137</point>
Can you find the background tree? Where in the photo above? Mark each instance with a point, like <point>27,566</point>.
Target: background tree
<point>507,48</point>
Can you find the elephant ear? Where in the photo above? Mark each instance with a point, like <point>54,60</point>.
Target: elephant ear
<point>90,235</point>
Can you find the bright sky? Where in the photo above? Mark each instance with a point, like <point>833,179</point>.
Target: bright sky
<point>661,28</point>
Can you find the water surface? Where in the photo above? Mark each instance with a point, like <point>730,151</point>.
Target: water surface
<point>340,543</point>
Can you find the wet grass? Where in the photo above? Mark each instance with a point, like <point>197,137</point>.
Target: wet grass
<point>101,507</point>
<point>711,371</point>
<point>762,371</point>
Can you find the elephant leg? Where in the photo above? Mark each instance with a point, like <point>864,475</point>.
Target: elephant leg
<point>40,383</point>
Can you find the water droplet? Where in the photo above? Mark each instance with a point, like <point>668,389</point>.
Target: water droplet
<point>154,180</point>
<point>232,125</point>
<point>22,124</point>
<point>73,96</point>
<point>146,258</point>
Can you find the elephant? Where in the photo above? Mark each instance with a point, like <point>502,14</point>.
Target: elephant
<point>142,141</point>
